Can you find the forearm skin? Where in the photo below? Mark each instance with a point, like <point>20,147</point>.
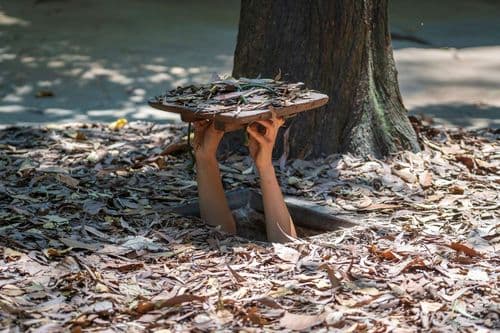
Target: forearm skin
<point>279,224</point>
<point>214,208</point>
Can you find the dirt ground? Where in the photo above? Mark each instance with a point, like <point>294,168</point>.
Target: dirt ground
<point>68,60</point>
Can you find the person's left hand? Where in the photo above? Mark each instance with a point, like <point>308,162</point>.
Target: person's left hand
<point>261,143</point>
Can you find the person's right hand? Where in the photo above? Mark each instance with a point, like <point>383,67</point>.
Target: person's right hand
<point>206,139</point>
<point>261,142</point>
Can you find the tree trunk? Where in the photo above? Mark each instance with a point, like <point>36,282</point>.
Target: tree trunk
<point>341,48</point>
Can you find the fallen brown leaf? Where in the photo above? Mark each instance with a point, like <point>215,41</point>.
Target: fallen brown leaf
<point>75,244</point>
<point>407,265</point>
<point>11,255</point>
<point>456,189</point>
<point>486,165</point>
<point>146,306</point>
<point>237,277</point>
<point>286,253</point>
<point>270,302</point>
<point>331,275</point>
<point>459,247</point>
<point>300,322</point>
<point>467,160</point>
<point>128,267</point>
<point>406,174</point>
<point>254,316</point>
<point>68,180</point>
<point>384,254</point>
<point>425,179</point>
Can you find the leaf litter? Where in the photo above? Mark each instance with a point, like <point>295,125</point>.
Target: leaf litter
<point>89,243</point>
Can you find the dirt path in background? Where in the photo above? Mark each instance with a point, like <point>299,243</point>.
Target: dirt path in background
<point>102,59</point>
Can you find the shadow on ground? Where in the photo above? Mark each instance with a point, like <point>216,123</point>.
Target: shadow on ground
<point>100,60</point>
<point>446,23</point>
<point>461,115</point>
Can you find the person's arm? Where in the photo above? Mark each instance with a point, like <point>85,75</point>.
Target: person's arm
<point>279,224</point>
<point>214,208</point>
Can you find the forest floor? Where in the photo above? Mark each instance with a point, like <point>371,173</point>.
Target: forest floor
<point>89,244</point>
<point>72,61</point>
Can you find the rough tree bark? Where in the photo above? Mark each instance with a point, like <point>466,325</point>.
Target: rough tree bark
<point>341,48</point>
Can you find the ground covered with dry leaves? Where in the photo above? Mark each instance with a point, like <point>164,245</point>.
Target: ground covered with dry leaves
<point>88,243</point>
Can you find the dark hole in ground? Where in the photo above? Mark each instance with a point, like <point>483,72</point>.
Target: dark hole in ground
<point>310,219</point>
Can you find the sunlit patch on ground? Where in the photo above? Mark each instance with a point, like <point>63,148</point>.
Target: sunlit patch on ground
<point>101,55</point>
<point>9,20</point>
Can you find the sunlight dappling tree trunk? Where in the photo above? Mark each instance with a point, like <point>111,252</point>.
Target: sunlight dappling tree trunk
<point>341,48</point>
